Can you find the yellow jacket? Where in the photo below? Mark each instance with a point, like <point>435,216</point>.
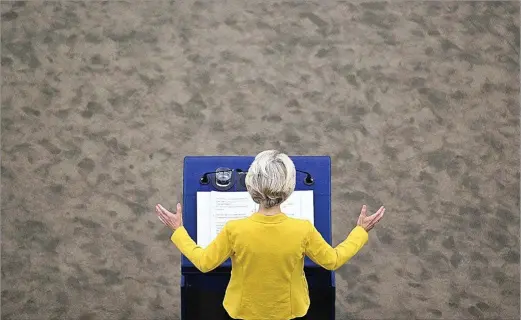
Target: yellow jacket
<point>267,253</point>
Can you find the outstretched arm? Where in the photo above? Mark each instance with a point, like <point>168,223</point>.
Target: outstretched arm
<point>204,259</point>
<point>318,250</point>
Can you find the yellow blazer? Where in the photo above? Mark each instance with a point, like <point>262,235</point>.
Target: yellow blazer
<point>267,253</point>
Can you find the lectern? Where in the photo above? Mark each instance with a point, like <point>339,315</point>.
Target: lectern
<point>202,294</point>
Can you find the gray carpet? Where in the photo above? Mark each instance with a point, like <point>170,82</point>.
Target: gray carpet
<point>417,103</point>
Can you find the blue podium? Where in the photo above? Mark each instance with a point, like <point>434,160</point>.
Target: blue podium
<point>202,294</point>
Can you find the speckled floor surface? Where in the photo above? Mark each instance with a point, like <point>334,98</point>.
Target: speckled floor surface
<point>417,103</point>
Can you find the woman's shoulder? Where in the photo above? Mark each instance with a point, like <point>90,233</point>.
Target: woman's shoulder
<point>236,223</point>
<point>300,223</point>
<point>296,222</point>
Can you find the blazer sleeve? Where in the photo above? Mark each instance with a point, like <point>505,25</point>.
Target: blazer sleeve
<point>318,250</point>
<point>204,259</point>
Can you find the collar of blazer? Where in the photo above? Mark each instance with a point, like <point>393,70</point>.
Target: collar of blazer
<point>276,218</point>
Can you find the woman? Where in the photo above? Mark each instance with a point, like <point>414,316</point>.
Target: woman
<point>267,249</point>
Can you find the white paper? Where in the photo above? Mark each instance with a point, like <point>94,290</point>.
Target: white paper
<point>226,206</point>
<point>216,208</point>
<point>204,214</point>
<point>299,205</point>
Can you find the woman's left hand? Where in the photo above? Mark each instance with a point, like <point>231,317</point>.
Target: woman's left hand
<point>171,220</point>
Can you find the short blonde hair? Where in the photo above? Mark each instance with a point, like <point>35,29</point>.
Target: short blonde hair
<point>271,178</point>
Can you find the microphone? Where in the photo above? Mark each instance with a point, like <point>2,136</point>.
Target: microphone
<point>309,179</point>
<point>204,178</point>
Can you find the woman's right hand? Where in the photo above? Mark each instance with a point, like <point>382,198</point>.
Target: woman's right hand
<point>369,222</point>
<point>171,220</point>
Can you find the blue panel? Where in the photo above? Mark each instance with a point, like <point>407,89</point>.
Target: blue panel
<point>318,166</point>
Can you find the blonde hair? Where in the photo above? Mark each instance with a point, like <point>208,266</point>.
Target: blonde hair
<point>271,178</point>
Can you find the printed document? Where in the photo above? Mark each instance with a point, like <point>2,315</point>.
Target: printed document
<point>215,208</point>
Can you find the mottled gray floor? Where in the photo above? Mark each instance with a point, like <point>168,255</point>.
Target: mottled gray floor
<point>416,102</point>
